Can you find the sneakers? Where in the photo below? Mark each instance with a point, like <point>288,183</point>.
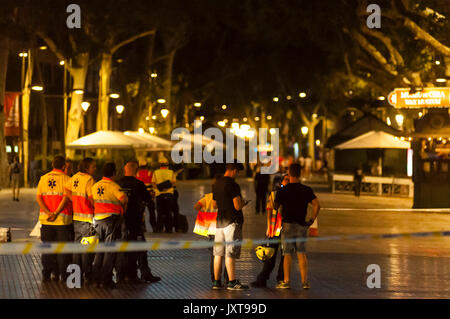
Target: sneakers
<point>306,285</point>
<point>236,285</point>
<point>151,279</point>
<point>217,285</point>
<point>283,285</point>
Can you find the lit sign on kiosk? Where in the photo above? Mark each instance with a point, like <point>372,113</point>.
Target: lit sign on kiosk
<point>425,98</point>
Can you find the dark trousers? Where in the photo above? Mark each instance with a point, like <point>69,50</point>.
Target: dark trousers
<point>269,265</point>
<point>357,186</point>
<point>261,200</point>
<point>83,229</point>
<point>142,261</point>
<point>126,262</point>
<point>164,207</point>
<point>108,231</point>
<point>56,263</point>
<point>211,264</point>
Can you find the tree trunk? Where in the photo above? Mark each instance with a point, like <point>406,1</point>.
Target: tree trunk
<point>4,51</point>
<point>167,84</point>
<point>26,94</point>
<point>103,94</point>
<point>44,142</point>
<point>78,72</point>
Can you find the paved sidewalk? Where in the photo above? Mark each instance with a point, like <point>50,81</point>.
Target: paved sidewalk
<point>410,267</point>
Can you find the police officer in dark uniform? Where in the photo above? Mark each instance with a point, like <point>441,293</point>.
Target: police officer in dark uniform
<point>133,228</point>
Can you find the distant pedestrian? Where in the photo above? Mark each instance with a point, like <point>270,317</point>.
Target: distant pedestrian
<point>145,175</point>
<point>164,180</point>
<point>357,180</point>
<point>273,231</point>
<point>230,219</point>
<point>109,206</point>
<point>294,200</point>
<point>205,225</point>
<point>15,171</point>
<point>68,168</point>
<point>55,216</point>
<point>261,183</point>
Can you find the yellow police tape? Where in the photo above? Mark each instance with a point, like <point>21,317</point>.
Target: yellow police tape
<point>25,248</point>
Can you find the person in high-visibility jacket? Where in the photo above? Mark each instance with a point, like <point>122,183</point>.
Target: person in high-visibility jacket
<point>273,232</point>
<point>109,206</point>
<point>55,216</point>
<point>80,189</point>
<point>205,225</point>
<point>164,196</point>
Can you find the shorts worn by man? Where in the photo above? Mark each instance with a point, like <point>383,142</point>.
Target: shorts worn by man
<point>227,194</point>
<point>294,199</point>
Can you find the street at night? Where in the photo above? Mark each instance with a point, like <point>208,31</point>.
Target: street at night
<point>410,267</point>
<point>186,155</point>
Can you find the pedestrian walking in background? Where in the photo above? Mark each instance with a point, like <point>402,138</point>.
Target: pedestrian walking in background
<point>80,189</point>
<point>55,216</point>
<point>132,227</point>
<point>230,219</point>
<point>68,170</point>
<point>294,199</point>
<point>15,171</point>
<point>109,206</point>
<point>273,231</point>
<point>163,181</point>
<point>261,183</point>
<point>357,180</point>
<point>205,225</point>
<point>145,175</point>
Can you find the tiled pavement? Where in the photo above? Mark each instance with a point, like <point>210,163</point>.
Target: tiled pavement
<point>410,268</point>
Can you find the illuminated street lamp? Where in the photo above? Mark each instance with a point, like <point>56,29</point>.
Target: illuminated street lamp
<point>164,113</point>
<point>275,99</point>
<point>388,120</point>
<point>441,80</point>
<point>114,95</point>
<point>245,119</point>
<point>202,118</point>
<point>78,91</point>
<point>161,101</point>
<point>288,97</point>
<point>120,108</point>
<point>257,118</point>
<point>197,104</point>
<point>153,75</point>
<point>269,117</point>
<point>153,117</point>
<point>438,62</point>
<point>224,107</point>
<point>151,130</point>
<point>272,131</point>
<point>399,119</point>
<point>85,106</point>
<point>318,142</point>
<point>141,130</point>
<point>304,130</point>
<point>23,54</point>
<point>302,95</point>
<point>61,62</point>
<point>37,88</point>
<point>221,123</point>
<point>381,98</point>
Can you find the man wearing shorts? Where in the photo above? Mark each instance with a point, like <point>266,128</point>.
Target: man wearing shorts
<point>294,200</point>
<point>227,195</point>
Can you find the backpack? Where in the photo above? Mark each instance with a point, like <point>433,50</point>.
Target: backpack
<point>16,169</point>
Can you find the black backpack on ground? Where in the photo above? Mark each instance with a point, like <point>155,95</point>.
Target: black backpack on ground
<point>181,224</point>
